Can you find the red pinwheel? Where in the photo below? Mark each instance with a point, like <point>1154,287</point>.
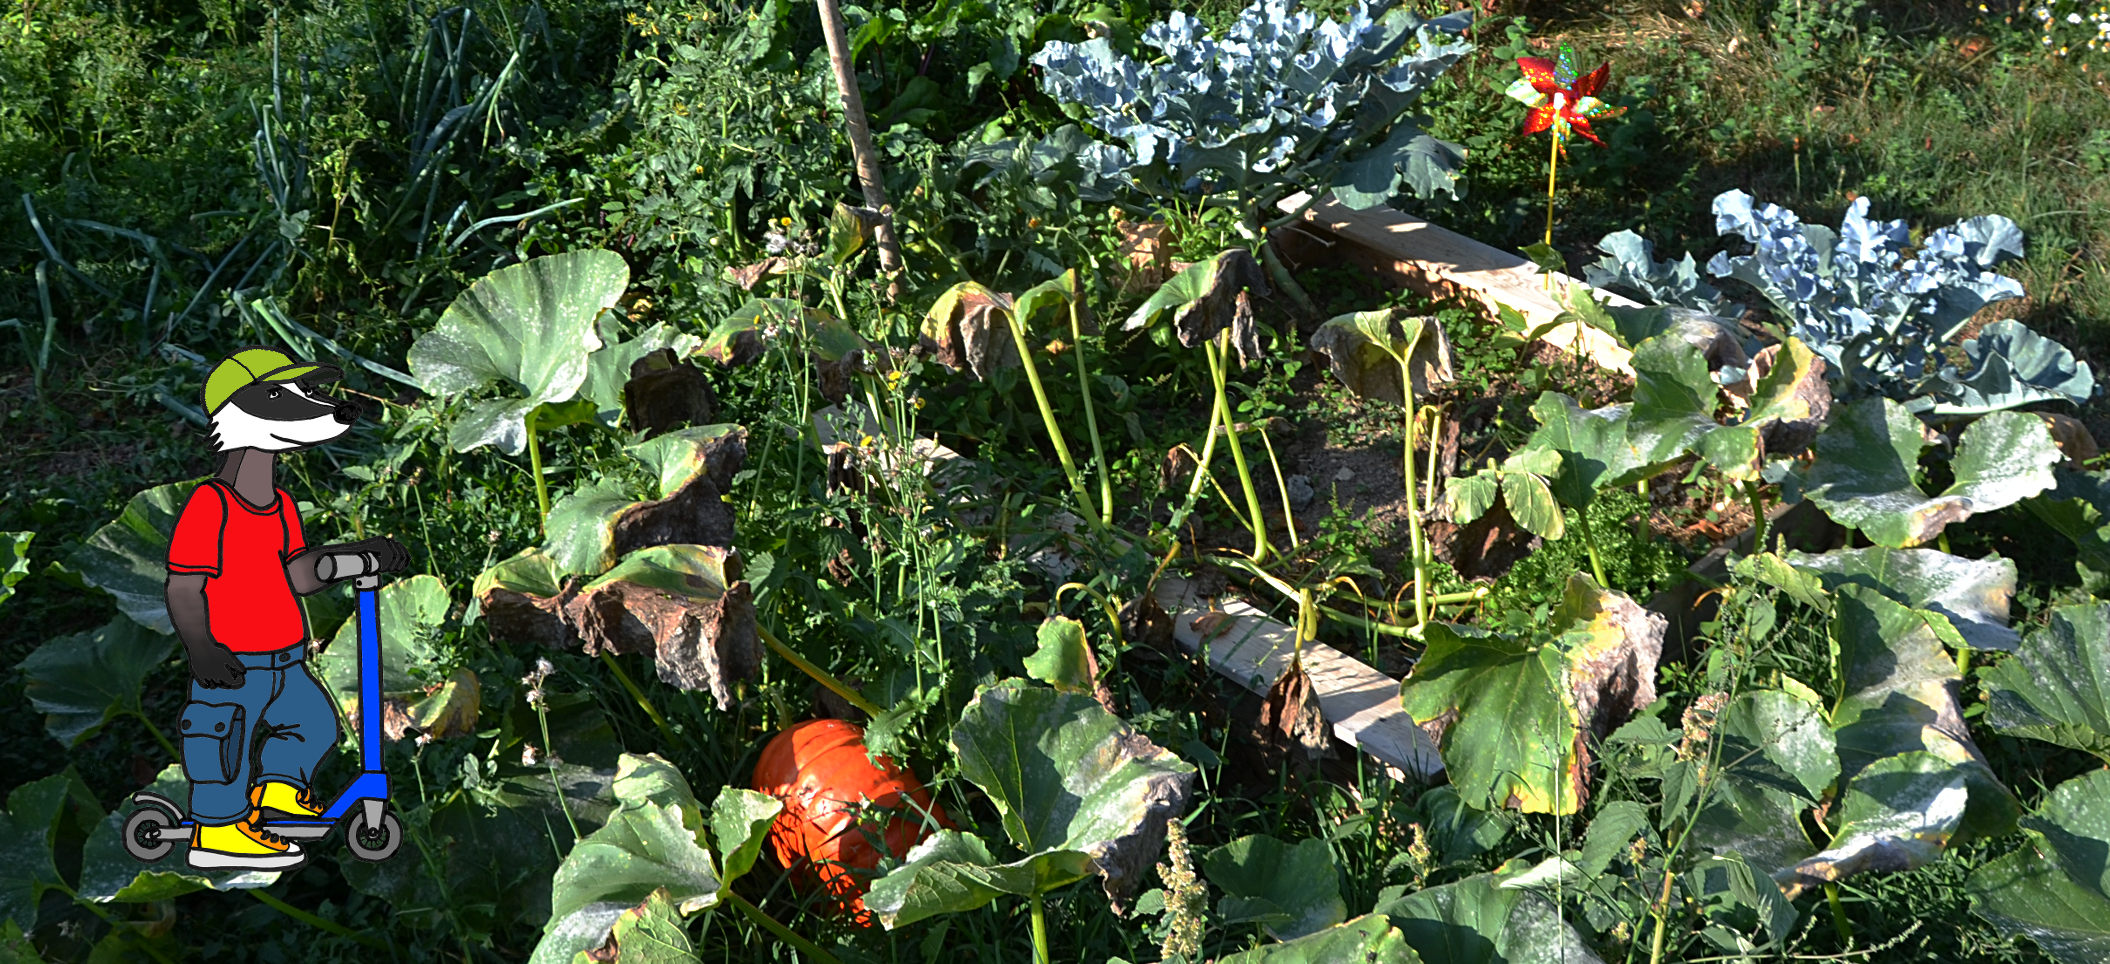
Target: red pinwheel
<point>1559,100</point>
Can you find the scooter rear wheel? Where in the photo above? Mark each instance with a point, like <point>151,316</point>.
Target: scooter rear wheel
<point>373,843</point>
<point>148,835</point>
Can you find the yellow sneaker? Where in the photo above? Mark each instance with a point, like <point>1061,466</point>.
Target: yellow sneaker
<point>272,795</point>
<point>277,802</point>
<point>243,845</point>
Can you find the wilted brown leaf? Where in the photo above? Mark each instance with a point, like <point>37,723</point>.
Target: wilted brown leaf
<point>747,276</point>
<point>1291,725</point>
<point>666,392</point>
<point>684,605</point>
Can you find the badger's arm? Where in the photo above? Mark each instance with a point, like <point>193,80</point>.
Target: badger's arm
<point>300,570</point>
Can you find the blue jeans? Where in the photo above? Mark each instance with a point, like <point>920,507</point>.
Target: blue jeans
<point>220,753</point>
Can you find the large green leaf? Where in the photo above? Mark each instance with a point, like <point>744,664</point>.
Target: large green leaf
<point>1290,889</point>
<point>1866,460</point>
<point>1592,444</point>
<point>109,872</point>
<point>1369,939</point>
<point>1063,658</point>
<point>1068,776</point>
<point>1895,699</point>
<point>129,558</point>
<point>2056,891</point>
<point>740,822</point>
<point>2078,507</point>
<point>652,933</point>
<point>1367,351</point>
<point>949,872</point>
<point>2057,687</point>
<point>1965,601</point>
<point>1478,921</point>
<point>654,842</point>
<point>412,614</point>
<point>27,833</point>
<point>1509,731</point>
<point>14,560</point>
<point>1775,760</point>
<point>1508,714</point>
<point>529,326</point>
<point>1897,814</point>
<point>1674,403</point>
<point>80,681</point>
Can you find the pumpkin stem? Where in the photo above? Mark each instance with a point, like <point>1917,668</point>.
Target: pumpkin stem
<point>759,916</point>
<point>821,676</point>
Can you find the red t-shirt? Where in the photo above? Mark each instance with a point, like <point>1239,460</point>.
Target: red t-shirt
<point>242,552</point>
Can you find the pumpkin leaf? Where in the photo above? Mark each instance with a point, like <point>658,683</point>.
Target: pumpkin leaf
<point>2057,687</point>
<point>740,822</point>
<point>597,524</point>
<point>518,599</point>
<point>1775,758</point>
<point>1896,814</point>
<point>1060,291</point>
<point>1207,298</point>
<point>1478,921</point>
<point>1965,601</point>
<point>969,329</point>
<point>27,833</point>
<point>683,605</point>
<point>1291,889</point>
<point>1897,700</point>
<point>950,872</point>
<point>738,339</point>
<point>1867,456</point>
<point>2056,891</point>
<point>129,558</point>
<point>1068,776</point>
<point>530,327</point>
<point>641,849</point>
<point>110,873</point>
<point>1367,349</point>
<point>1505,729</point>
<point>14,560</point>
<point>1592,444</point>
<point>2078,507</point>
<point>1370,938</point>
<point>1064,658</point>
<point>652,933</point>
<point>608,370</point>
<point>80,681</point>
<point>1501,708</point>
<point>411,613</point>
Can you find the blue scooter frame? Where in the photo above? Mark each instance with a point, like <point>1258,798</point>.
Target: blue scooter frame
<point>373,833</point>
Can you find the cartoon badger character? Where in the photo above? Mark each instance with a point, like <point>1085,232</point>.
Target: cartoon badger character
<point>235,562</point>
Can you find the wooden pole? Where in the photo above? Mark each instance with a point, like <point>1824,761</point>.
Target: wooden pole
<point>861,149</point>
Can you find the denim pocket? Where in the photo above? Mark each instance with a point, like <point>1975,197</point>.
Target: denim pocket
<point>212,742</point>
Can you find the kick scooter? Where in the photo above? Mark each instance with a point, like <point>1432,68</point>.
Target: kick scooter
<point>373,834</point>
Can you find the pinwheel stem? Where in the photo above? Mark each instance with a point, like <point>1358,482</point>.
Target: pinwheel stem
<point>1553,166</point>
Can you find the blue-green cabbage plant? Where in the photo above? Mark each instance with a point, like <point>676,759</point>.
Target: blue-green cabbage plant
<point>1879,318</point>
<point>1283,102</point>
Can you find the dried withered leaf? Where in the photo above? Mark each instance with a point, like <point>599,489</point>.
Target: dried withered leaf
<point>2071,437</point>
<point>686,606</point>
<point>666,392</point>
<point>1290,721</point>
<point>969,329</point>
<point>695,512</point>
<point>747,276</point>
<point>1145,622</point>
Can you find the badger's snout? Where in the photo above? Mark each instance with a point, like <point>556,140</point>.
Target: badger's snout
<point>350,410</point>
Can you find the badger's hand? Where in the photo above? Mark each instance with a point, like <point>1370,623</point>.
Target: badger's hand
<point>377,555</point>
<point>214,666</point>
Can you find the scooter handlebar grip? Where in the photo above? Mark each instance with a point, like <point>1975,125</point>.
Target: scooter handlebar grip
<point>344,566</point>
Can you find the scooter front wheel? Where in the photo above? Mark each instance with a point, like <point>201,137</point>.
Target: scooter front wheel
<point>372,843</point>
<point>149,834</point>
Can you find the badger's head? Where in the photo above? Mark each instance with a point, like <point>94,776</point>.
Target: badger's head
<point>279,417</point>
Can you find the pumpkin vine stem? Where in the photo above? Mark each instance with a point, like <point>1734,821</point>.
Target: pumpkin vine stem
<point>787,935</point>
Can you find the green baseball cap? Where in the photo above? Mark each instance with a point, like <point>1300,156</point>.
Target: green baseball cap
<point>252,365</point>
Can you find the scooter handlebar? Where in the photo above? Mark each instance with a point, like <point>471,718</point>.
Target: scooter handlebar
<point>344,565</point>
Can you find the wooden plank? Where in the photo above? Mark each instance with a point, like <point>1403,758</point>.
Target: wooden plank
<point>1361,703</point>
<point>1437,262</point>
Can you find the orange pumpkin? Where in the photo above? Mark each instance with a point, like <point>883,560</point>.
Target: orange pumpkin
<point>820,772</point>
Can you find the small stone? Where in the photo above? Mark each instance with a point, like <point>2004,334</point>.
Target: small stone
<point>1344,474</point>
<point>1300,493</point>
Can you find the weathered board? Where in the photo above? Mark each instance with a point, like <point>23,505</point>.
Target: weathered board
<point>1413,253</point>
